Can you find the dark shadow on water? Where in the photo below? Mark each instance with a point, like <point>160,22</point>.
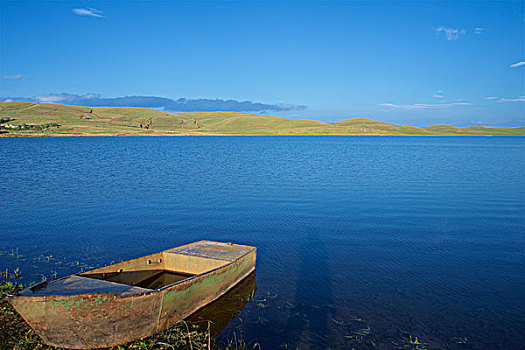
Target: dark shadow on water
<point>223,310</point>
<point>313,309</point>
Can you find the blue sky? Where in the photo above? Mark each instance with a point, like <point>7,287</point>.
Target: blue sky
<point>411,62</point>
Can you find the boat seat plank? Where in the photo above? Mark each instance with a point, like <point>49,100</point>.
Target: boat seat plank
<point>82,285</point>
<point>212,250</point>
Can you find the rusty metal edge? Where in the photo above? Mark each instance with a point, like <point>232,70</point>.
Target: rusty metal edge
<point>212,270</point>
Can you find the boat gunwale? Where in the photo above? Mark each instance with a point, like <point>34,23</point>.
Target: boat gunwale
<point>151,291</point>
<point>204,273</point>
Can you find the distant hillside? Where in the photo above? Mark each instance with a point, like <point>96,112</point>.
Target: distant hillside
<point>25,118</point>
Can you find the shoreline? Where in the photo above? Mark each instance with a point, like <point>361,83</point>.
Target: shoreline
<point>21,119</point>
<point>235,135</point>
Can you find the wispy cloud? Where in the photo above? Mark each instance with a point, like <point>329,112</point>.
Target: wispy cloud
<point>426,106</point>
<point>501,99</point>
<point>451,33</point>
<point>15,77</point>
<point>91,12</point>
<point>440,91</point>
<point>517,64</point>
<point>179,105</point>
<point>519,99</point>
<point>439,96</point>
<point>479,30</point>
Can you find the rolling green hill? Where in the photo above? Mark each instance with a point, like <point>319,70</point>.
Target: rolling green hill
<point>44,119</point>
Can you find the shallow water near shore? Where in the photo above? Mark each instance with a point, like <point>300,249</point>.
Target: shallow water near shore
<point>362,241</point>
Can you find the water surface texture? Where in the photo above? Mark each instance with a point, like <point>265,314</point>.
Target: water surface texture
<point>362,241</point>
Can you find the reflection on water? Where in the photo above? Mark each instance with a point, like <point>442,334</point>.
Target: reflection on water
<point>223,310</point>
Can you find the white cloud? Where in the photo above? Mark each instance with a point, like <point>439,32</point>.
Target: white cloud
<point>439,96</point>
<point>65,97</point>
<point>479,30</point>
<point>87,96</point>
<point>519,99</point>
<point>91,12</point>
<point>451,33</point>
<point>426,106</point>
<point>501,99</point>
<point>440,91</point>
<point>517,64</point>
<point>51,98</point>
<point>15,77</point>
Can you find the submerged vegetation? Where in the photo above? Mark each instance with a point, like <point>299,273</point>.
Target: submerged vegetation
<point>54,119</point>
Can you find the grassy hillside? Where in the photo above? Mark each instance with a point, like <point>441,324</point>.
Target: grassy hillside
<point>55,119</point>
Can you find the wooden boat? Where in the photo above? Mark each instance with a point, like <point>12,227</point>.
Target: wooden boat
<point>133,299</point>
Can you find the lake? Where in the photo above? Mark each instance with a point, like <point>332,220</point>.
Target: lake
<point>362,241</point>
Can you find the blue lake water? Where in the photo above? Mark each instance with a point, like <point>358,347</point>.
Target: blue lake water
<point>362,241</point>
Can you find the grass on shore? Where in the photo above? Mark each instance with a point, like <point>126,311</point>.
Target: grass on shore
<point>44,118</point>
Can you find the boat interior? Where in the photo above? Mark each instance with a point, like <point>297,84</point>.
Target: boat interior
<point>146,273</point>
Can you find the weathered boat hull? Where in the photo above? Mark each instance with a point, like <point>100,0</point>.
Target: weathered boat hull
<point>217,315</point>
<point>104,319</point>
